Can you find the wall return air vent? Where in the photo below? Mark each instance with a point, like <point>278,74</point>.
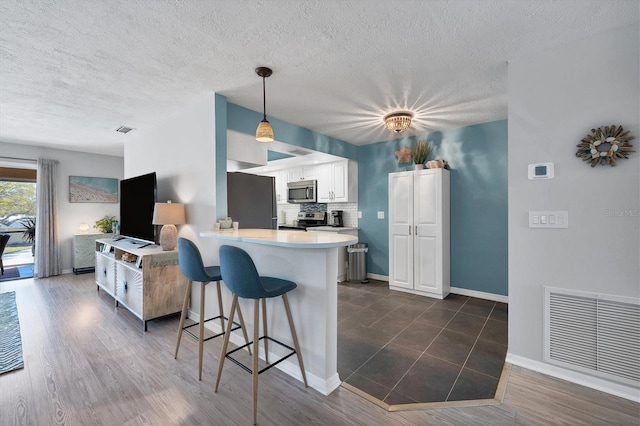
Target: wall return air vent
<point>593,333</point>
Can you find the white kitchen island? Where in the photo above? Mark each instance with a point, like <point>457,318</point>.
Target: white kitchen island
<point>310,259</point>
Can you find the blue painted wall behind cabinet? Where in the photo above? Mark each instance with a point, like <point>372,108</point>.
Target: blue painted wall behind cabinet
<point>478,159</point>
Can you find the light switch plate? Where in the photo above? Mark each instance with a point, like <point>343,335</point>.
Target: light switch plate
<point>549,219</point>
<point>380,215</point>
<point>359,215</point>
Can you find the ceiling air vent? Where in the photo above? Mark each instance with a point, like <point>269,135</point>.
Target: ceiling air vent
<point>123,129</point>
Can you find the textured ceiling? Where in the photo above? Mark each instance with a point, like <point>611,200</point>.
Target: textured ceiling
<point>72,71</point>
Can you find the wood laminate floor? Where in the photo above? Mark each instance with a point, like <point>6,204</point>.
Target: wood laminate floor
<point>89,363</point>
<point>404,349</point>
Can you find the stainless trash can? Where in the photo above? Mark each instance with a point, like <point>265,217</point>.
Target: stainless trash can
<point>358,262</point>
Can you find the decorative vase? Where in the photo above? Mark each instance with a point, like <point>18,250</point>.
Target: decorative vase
<point>419,166</point>
<point>225,223</point>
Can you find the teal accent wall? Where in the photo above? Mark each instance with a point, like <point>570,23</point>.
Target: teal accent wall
<point>275,155</point>
<point>245,120</point>
<point>221,155</point>
<point>477,156</point>
<point>478,159</point>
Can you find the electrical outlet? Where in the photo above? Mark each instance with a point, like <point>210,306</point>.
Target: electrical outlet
<point>380,215</point>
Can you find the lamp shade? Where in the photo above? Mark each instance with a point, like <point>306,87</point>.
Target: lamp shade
<point>168,214</point>
<point>264,132</point>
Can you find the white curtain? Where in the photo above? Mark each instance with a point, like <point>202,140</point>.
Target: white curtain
<point>47,261</point>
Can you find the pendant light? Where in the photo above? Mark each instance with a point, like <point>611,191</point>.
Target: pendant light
<point>264,132</point>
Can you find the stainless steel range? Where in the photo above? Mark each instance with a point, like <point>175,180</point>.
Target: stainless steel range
<point>307,220</point>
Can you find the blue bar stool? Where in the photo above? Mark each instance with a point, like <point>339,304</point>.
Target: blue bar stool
<point>241,277</point>
<point>193,269</point>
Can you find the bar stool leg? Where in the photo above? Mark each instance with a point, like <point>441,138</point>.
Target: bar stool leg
<point>201,331</point>
<point>264,328</point>
<point>225,343</point>
<point>220,306</point>
<point>244,329</point>
<point>295,338</point>
<point>183,316</point>
<point>254,370</point>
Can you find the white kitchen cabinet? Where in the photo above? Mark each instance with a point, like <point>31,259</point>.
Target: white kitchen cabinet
<point>303,173</point>
<point>282,178</point>
<point>295,174</point>
<point>338,182</point>
<point>419,232</point>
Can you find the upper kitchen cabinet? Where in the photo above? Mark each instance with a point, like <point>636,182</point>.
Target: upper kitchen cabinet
<point>303,173</point>
<point>282,177</point>
<point>338,182</point>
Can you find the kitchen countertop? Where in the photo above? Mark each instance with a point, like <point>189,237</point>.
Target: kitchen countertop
<point>294,239</point>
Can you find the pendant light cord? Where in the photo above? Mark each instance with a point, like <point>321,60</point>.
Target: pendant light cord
<point>264,101</point>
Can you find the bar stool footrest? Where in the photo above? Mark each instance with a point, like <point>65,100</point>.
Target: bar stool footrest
<point>273,364</point>
<point>195,336</point>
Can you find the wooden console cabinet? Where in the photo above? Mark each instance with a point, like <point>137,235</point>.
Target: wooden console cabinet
<point>143,278</point>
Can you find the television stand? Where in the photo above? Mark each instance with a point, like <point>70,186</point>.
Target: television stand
<point>145,280</point>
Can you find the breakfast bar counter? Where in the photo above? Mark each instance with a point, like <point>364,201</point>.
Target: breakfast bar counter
<point>310,259</point>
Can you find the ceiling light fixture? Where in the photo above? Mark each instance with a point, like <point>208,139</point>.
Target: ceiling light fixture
<point>264,132</point>
<point>398,122</point>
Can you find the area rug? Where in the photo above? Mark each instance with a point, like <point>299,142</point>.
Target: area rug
<point>10,274</point>
<point>17,273</point>
<point>10,339</point>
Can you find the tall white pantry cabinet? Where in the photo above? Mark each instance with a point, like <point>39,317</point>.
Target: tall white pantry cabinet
<point>419,232</point>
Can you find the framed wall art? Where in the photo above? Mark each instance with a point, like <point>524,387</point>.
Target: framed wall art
<point>83,189</point>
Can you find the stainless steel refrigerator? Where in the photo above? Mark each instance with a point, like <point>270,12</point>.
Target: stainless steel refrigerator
<point>251,200</point>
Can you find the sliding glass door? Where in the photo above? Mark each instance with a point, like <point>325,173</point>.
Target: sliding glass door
<point>17,219</point>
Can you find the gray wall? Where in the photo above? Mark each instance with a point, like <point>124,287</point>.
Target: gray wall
<point>72,163</point>
<point>555,98</point>
<point>181,150</point>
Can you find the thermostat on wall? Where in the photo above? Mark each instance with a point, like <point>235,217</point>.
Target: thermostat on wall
<point>541,171</point>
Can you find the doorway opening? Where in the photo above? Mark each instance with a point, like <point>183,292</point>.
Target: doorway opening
<point>17,221</point>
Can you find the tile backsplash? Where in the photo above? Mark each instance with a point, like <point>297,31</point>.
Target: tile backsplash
<point>287,213</point>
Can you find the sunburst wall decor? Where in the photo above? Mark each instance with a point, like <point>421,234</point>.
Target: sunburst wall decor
<point>605,145</point>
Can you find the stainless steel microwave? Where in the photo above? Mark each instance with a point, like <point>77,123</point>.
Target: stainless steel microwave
<point>302,191</point>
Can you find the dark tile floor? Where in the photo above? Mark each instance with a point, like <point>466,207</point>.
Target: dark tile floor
<point>402,349</point>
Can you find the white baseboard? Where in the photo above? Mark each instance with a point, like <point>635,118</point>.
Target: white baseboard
<point>623,391</point>
<point>325,387</point>
<point>480,294</point>
<point>378,277</point>
<point>456,290</point>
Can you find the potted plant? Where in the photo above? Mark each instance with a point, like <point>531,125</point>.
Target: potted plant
<point>29,233</point>
<point>105,225</point>
<point>421,152</point>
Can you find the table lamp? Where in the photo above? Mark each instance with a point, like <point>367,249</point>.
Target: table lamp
<point>168,215</point>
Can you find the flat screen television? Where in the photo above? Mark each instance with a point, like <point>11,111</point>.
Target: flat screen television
<point>137,200</point>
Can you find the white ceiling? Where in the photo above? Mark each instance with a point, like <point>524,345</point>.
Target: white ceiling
<point>72,71</point>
